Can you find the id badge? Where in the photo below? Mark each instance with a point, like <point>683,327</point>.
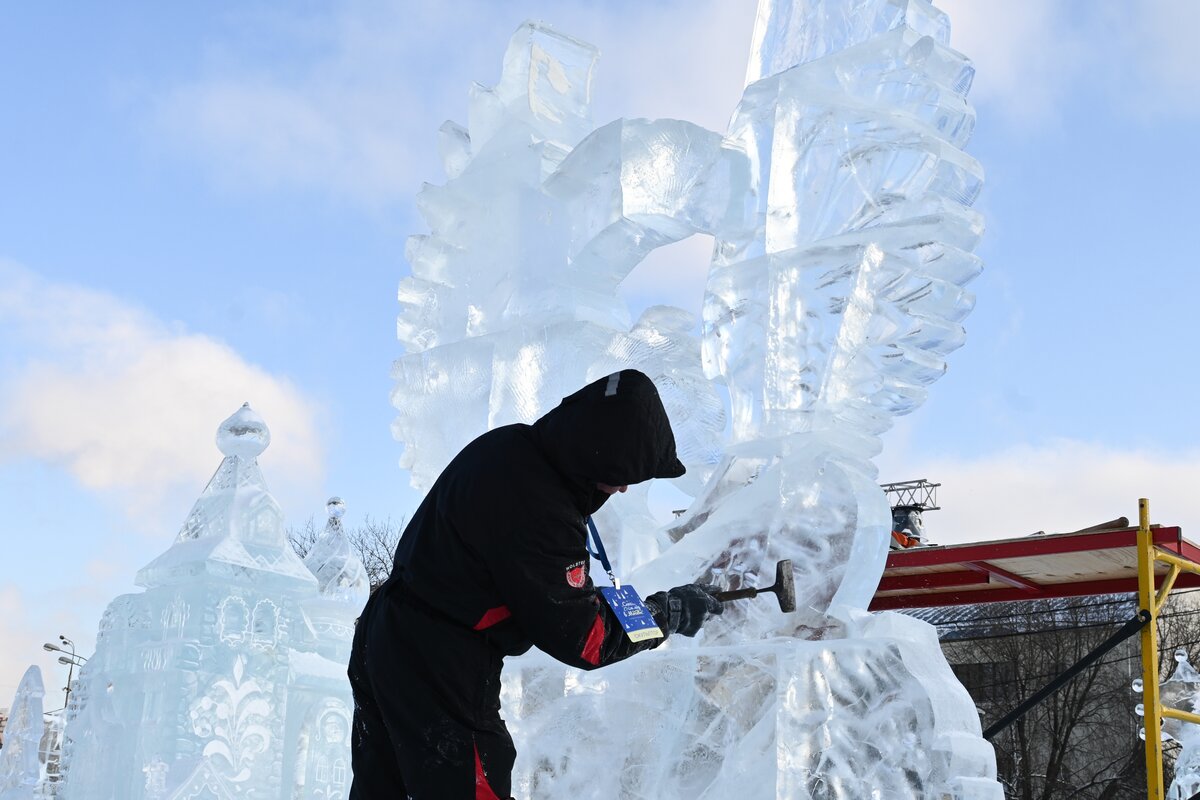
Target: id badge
<point>633,614</point>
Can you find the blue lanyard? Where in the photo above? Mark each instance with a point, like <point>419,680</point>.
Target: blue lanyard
<point>600,554</point>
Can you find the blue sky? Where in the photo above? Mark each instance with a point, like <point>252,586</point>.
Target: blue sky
<point>206,205</point>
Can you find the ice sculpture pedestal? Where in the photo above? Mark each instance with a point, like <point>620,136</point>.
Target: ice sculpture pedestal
<point>781,718</point>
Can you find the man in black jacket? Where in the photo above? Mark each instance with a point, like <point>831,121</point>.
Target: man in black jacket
<point>493,562</point>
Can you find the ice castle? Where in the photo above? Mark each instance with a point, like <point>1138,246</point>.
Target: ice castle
<point>226,677</point>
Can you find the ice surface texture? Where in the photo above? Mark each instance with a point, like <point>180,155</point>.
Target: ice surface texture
<point>19,767</point>
<point>1181,691</point>
<point>834,309</point>
<point>226,677</point>
<point>839,201</point>
<point>777,718</point>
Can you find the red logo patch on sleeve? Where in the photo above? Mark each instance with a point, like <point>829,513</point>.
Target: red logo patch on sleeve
<point>577,574</point>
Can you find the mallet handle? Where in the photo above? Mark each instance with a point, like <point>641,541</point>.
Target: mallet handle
<point>737,594</point>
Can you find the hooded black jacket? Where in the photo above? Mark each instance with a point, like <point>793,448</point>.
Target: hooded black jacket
<point>498,545</point>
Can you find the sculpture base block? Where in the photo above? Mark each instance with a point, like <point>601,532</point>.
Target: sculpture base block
<point>780,718</point>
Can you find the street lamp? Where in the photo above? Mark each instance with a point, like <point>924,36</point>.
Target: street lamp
<point>71,660</point>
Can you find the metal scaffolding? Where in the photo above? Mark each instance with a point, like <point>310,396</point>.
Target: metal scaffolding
<point>1151,599</point>
<point>1149,560</point>
<point>919,494</point>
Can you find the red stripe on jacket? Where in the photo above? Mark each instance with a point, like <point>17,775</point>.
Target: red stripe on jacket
<point>492,617</point>
<point>483,791</point>
<point>591,648</point>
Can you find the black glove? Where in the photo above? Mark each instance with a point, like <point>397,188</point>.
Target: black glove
<point>684,608</point>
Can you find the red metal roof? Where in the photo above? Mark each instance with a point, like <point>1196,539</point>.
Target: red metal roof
<point>1029,568</point>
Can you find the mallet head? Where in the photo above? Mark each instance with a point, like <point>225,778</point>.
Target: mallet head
<point>785,586</point>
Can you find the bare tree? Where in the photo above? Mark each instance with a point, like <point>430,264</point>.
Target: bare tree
<point>1082,741</point>
<point>374,541</point>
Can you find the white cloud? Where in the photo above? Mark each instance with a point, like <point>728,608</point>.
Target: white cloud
<point>352,107</point>
<point>672,60</point>
<point>19,643</point>
<point>1031,56</point>
<point>342,137</point>
<point>1057,487</point>
<point>1028,53</point>
<point>70,605</point>
<point>24,629</point>
<point>357,113</point>
<point>129,405</point>
<point>348,99</point>
<point>1161,37</point>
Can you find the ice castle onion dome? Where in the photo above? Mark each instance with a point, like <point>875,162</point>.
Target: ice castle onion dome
<point>245,434</point>
<point>336,507</point>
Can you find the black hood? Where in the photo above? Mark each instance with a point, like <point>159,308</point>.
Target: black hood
<point>612,431</point>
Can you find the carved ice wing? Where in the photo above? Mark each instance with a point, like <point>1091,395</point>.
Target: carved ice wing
<point>840,306</point>
<point>833,310</point>
<point>513,303</point>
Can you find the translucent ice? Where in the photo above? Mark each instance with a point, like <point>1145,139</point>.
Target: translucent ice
<point>226,676</point>
<point>1182,691</point>
<point>839,201</point>
<point>19,767</point>
<point>340,574</point>
<point>518,276</point>
<point>792,32</point>
<point>778,718</point>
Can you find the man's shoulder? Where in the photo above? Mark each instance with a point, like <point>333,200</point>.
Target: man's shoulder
<point>507,470</point>
<point>504,459</point>
<point>506,442</point>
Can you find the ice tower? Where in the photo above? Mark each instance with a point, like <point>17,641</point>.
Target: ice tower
<point>839,200</point>
<point>19,767</point>
<point>225,678</point>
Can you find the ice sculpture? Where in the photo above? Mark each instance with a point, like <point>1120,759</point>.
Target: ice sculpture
<point>1180,691</point>
<point>20,770</point>
<point>840,204</point>
<point>226,677</point>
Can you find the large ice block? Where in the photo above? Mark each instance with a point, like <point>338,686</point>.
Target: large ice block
<point>545,87</point>
<point>776,719</point>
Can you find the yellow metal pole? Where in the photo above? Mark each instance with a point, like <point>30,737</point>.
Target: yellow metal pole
<point>1164,588</point>
<point>1167,557</point>
<point>1186,716</point>
<point>1150,696</point>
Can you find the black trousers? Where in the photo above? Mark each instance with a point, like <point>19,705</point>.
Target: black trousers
<point>426,707</point>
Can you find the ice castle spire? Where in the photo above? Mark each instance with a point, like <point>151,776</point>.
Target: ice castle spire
<point>235,524</point>
<point>340,573</point>
<point>19,769</point>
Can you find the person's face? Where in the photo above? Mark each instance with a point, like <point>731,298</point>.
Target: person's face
<point>604,487</point>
